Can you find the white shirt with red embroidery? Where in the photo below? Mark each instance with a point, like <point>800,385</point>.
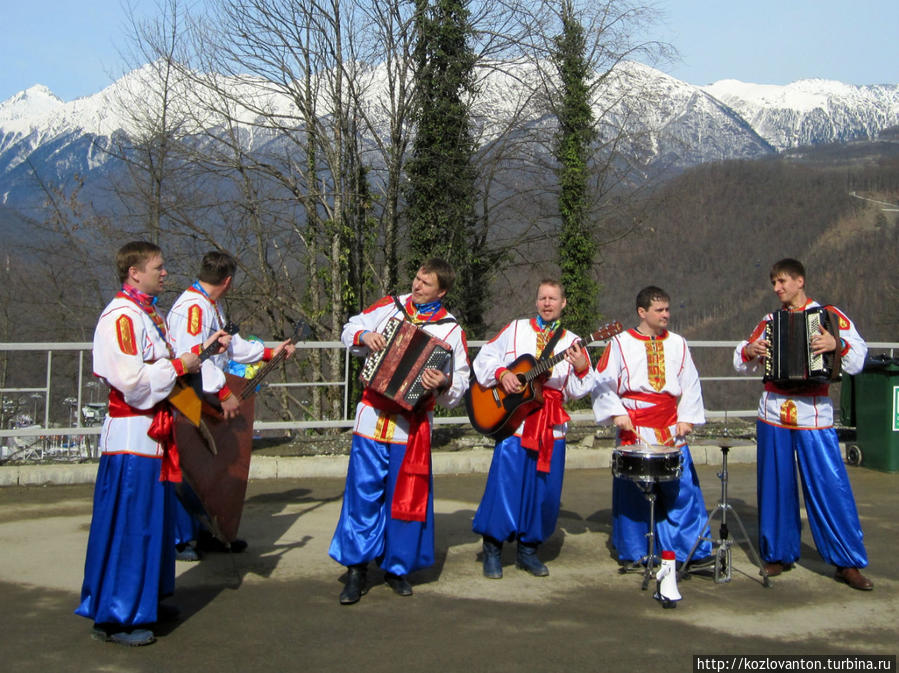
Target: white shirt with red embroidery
<point>193,319</point>
<point>394,428</point>
<point>131,355</point>
<point>634,363</point>
<point>796,410</point>
<point>519,338</point>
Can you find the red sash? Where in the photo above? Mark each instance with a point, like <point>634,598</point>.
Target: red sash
<point>537,434</point>
<point>663,413</point>
<point>162,429</point>
<point>413,483</point>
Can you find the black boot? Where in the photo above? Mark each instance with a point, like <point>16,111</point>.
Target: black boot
<point>493,558</point>
<point>398,583</point>
<point>355,584</point>
<point>527,560</point>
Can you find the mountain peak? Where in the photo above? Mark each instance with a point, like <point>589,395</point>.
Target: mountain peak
<point>34,101</point>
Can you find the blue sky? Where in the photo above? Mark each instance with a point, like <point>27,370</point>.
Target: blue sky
<point>74,47</point>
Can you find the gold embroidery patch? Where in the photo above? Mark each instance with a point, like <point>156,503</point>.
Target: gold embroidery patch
<point>789,413</point>
<point>655,363</point>
<point>664,437</point>
<point>125,333</point>
<point>385,428</point>
<point>194,320</point>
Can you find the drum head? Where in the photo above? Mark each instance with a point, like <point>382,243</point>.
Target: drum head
<point>647,463</point>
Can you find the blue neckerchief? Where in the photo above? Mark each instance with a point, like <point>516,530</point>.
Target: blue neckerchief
<point>543,325</point>
<point>430,308</point>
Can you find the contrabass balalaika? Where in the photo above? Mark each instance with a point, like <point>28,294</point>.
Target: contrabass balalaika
<point>790,358</point>
<point>396,370</point>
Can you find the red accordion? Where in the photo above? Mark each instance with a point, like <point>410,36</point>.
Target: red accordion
<point>395,371</point>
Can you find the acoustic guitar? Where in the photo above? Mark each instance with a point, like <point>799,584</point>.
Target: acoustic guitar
<point>495,413</point>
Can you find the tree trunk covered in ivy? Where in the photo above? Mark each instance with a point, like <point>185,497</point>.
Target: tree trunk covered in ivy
<point>441,193</point>
<point>574,139</point>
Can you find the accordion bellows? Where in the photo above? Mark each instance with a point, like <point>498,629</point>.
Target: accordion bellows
<point>395,371</point>
<point>790,359</point>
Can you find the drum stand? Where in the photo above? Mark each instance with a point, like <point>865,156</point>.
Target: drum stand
<point>723,553</point>
<point>647,563</point>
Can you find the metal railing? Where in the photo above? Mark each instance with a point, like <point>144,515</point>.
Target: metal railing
<point>19,427</point>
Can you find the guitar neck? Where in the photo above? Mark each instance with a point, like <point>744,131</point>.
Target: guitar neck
<point>546,364</point>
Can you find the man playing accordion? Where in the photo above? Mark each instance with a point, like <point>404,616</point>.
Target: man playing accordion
<point>798,417</point>
<point>388,504</point>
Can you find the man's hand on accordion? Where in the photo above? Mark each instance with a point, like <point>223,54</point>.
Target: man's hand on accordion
<point>374,340</point>
<point>757,349</point>
<point>823,341</point>
<point>432,379</point>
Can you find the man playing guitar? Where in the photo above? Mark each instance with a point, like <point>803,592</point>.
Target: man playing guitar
<point>524,486</point>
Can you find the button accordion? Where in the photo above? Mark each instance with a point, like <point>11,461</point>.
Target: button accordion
<point>396,370</point>
<point>790,360</point>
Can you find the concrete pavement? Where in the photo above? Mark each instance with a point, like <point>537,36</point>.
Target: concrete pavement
<point>275,607</point>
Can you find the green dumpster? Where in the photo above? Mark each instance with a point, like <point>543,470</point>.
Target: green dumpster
<point>875,402</point>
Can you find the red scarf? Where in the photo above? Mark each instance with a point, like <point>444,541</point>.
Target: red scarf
<point>537,434</point>
<point>662,415</point>
<point>413,483</point>
<point>162,429</point>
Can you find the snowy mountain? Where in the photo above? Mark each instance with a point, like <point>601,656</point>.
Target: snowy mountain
<point>670,125</point>
<point>812,111</point>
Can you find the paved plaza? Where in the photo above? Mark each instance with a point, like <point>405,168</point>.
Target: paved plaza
<point>275,606</point>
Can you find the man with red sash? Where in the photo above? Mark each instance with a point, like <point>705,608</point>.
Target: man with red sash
<point>130,563</point>
<point>798,420</point>
<point>195,316</point>
<point>523,492</point>
<point>388,504</point>
<point>649,388</point>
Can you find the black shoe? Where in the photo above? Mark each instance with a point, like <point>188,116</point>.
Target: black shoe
<point>355,585</point>
<point>399,584</point>
<point>527,560</point>
<point>207,542</point>
<point>108,633</point>
<point>493,558</point>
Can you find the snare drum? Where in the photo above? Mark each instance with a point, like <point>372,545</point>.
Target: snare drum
<point>645,463</point>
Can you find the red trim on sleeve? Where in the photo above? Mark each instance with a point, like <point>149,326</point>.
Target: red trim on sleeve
<point>178,364</point>
<point>224,393</point>
<point>499,373</point>
<point>268,353</point>
<point>196,349</point>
